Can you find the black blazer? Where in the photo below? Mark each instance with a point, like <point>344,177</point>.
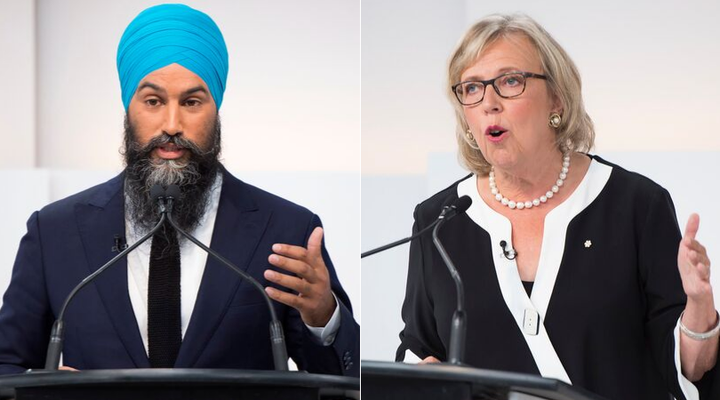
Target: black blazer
<point>614,304</point>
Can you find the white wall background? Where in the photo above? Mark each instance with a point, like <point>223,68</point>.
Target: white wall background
<point>61,113</point>
<point>17,68</point>
<point>649,72</point>
<point>651,86</point>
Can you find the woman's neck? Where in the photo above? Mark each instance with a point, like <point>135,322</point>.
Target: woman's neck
<point>531,179</point>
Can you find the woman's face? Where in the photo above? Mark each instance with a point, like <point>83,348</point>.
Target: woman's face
<point>524,119</point>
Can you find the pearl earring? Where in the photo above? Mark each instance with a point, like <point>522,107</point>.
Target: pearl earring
<point>469,136</point>
<point>555,120</point>
<point>470,139</point>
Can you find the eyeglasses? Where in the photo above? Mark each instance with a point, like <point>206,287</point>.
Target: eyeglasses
<point>511,84</point>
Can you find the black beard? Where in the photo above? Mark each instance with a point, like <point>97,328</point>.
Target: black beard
<point>194,175</point>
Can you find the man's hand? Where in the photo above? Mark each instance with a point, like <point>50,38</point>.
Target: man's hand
<point>314,300</point>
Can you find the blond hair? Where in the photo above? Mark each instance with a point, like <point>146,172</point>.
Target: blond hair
<point>576,133</point>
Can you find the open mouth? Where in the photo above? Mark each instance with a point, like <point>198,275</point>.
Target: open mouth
<point>170,147</point>
<point>170,151</point>
<point>495,131</point>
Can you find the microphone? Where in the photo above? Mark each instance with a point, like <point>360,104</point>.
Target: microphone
<point>458,327</point>
<point>57,335</point>
<point>458,207</point>
<point>156,192</point>
<point>449,210</point>
<point>510,254</point>
<point>172,193</point>
<point>277,338</point>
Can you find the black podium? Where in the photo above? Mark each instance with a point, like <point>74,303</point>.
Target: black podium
<point>394,381</point>
<point>160,384</point>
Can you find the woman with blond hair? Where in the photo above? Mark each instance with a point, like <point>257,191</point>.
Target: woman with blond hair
<point>577,267</point>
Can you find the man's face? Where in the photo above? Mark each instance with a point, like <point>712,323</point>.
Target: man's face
<point>174,101</point>
<point>172,137</point>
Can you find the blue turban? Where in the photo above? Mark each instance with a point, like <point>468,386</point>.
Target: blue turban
<point>167,34</point>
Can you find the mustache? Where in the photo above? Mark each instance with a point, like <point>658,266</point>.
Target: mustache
<point>163,139</point>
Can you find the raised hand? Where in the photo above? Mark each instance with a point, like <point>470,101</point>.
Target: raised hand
<point>314,299</point>
<point>696,356</point>
<point>694,264</point>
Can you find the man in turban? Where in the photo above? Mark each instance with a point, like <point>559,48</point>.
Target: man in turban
<point>169,304</point>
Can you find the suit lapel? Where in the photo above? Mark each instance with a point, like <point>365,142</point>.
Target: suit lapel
<point>239,225</point>
<point>98,221</point>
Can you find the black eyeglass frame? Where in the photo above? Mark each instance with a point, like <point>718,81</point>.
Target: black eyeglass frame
<point>492,82</point>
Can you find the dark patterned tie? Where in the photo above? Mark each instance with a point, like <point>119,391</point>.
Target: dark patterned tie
<point>164,332</point>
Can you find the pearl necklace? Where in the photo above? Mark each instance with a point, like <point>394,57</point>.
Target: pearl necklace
<point>536,202</point>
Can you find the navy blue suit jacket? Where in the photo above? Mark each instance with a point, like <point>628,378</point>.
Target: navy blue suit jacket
<point>229,328</point>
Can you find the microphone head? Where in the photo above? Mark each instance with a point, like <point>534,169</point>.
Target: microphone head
<point>462,204</point>
<point>173,191</point>
<point>449,202</point>
<point>453,207</point>
<point>156,191</point>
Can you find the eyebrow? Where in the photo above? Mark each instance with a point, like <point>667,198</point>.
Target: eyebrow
<point>157,88</point>
<point>150,85</point>
<point>195,90</point>
<point>499,72</point>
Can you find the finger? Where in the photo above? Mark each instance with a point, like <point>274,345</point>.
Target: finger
<point>315,242</point>
<point>692,226</point>
<point>290,282</point>
<point>701,258</point>
<point>429,360</point>
<point>64,368</point>
<point>288,250</point>
<point>698,253</point>
<point>703,271</point>
<point>297,267</point>
<point>288,299</point>
<point>697,246</point>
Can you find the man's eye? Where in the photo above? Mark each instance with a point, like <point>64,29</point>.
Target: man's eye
<point>192,103</point>
<point>152,102</point>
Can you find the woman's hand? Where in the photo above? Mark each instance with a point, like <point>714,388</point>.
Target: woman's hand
<point>696,357</point>
<point>694,265</point>
<point>429,360</point>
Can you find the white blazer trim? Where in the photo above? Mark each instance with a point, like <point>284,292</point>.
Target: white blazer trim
<point>553,245</point>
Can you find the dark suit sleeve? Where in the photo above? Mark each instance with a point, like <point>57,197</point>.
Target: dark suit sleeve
<point>340,358</point>
<point>420,333</point>
<point>25,316</point>
<point>662,286</point>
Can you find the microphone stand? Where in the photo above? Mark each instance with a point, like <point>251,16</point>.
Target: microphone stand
<point>457,207</point>
<point>458,326</point>
<point>399,242</point>
<point>57,335</point>
<point>277,338</point>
